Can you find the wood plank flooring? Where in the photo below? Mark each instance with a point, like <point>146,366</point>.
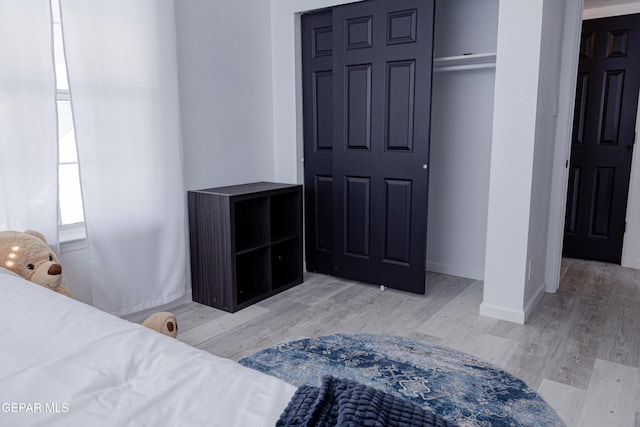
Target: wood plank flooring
<point>580,349</point>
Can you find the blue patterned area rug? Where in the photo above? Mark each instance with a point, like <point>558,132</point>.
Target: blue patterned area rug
<point>450,383</point>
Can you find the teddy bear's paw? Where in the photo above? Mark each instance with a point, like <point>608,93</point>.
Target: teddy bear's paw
<point>163,322</point>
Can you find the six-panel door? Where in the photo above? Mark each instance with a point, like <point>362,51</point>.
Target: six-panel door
<point>603,136</point>
<point>371,168</point>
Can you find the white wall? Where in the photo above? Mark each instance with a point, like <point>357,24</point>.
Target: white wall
<point>564,129</point>
<point>545,141</point>
<point>461,122</point>
<point>224,70</point>
<point>535,73</point>
<point>631,243</point>
<point>512,154</point>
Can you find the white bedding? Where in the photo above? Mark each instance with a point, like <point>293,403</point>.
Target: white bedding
<point>65,363</point>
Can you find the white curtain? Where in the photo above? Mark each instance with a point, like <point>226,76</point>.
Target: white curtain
<point>121,62</point>
<point>28,123</point>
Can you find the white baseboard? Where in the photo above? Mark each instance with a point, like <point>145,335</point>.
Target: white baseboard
<point>534,300</point>
<point>510,315</point>
<point>516,316</point>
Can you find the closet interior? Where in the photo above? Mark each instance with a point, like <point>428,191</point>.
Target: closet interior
<point>465,43</point>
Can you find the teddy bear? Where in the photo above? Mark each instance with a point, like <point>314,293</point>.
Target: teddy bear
<point>28,255</point>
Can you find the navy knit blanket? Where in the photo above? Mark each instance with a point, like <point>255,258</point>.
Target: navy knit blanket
<point>341,402</point>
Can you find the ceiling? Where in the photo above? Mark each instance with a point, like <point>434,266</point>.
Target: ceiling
<point>588,4</point>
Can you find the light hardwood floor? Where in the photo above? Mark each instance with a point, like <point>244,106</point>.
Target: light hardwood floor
<point>580,348</point>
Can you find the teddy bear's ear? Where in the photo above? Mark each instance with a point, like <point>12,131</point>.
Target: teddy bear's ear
<point>36,234</point>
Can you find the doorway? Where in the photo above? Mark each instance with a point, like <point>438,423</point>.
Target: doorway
<point>603,136</point>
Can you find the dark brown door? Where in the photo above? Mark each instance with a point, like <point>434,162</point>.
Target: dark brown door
<point>603,137</point>
<point>367,96</point>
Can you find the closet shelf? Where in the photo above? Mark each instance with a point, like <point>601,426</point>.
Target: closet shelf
<point>464,62</point>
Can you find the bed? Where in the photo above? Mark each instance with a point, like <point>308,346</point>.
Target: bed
<point>65,363</point>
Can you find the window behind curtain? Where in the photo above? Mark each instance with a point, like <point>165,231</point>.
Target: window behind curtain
<point>70,196</point>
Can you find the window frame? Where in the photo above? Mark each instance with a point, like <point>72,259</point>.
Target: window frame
<point>72,236</point>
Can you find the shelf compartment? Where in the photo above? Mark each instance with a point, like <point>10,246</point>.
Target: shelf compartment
<point>464,62</point>
<point>252,275</point>
<point>251,223</point>
<point>251,249</point>
<point>286,263</point>
<point>285,215</point>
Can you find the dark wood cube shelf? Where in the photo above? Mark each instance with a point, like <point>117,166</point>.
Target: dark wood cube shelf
<point>246,243</point>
